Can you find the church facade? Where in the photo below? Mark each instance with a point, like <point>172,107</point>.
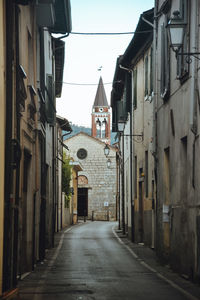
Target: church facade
<point>97,182</point>
<point>97,191</point>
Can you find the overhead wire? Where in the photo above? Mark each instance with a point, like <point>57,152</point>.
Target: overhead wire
<point>103,33</point>
<point>109,33</point>
<point>84,84</point>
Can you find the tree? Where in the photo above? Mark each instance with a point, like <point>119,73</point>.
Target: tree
<point>66,178</point>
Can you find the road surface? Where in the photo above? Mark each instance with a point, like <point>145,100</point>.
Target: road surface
<point>91,263</point>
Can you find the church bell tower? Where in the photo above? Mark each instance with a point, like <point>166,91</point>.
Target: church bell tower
<point>101,115</point>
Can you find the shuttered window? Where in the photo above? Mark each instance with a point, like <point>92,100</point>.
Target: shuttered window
<point>182,60</point>
<point>50,100</point>
<point>146,75</point>
<point>135,88</point>
<point>151,72</point>
<point>165,63</point>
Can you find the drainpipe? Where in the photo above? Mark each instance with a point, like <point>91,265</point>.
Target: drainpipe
<point>194,87</point>
<point>34,232</point>
<point>17,183</point>
<point>193,97</point>
<point>193,91</point>
<point>131,165</point>
<point>123,213</point>
<point>154,129</point>
<point>7,284</point>
<point>131,156</point>
<point>119,190</point>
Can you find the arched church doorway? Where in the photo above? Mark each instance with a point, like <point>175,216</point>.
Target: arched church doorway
<point>82,202</point>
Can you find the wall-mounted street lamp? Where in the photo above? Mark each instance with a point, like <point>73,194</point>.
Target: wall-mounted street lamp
<point>106,150</point>
<point>121,127</point>
<point>176,28</point>
<point>108,163</point>
<point>106,153</point>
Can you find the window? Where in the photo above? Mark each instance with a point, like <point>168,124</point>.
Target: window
<point>182,63</point>
<point>50,101</point>
<point>135,88</point>
<point>146,75</point>
<point>98,128</point>
<point>21,75</point>
<point>81,153</point>
<point>151,73</point>
<point>32,106</point>
<point>184,169</point>
<point>30,60</point>
<point>103,129</point>
<point>146,174</point>
<point>166,175</point>
<point>165,82</point>
<point>135,182</point>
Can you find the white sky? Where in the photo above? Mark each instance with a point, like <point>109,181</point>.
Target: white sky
<point>85,54</point>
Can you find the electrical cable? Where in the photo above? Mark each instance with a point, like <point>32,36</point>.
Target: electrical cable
<point>103,33</point>
<point>84,84</point>
<point>109,33</point>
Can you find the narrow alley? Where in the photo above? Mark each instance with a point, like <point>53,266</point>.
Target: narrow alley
<point>92,262</point>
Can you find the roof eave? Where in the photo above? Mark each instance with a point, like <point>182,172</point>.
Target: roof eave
<point>139,38</point>
<point>63,23</point>
<point>64,123</point>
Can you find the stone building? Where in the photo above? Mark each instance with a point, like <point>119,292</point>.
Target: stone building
<point>97,182</point>
<point>97,188</point>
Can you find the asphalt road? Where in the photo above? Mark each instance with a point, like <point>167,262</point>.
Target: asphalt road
<point>91,263</point>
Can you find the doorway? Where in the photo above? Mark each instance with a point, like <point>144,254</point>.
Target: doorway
<point>141,212</point>
<point>82,202</point>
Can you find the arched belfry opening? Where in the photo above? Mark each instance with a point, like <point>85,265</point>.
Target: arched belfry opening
<point>101,115</point>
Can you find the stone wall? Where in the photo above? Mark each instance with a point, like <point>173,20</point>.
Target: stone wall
<point>101,179</point>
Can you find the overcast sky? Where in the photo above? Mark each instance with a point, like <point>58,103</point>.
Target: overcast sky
<point>84,55</point>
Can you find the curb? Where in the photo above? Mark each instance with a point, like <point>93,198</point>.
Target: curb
<point>187,294</point>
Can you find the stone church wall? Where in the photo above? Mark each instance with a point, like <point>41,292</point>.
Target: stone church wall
<point>101,179</point>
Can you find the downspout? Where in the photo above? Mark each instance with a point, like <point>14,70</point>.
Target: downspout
<point>154,129</point>
<point>8,147</point>
<point>131,165</point>
<point>119,190</point>
<point>17,187</point>
<point>193,91</point>
<point>54,179</point>
<point>123,212</point>
<point>131,156</point>
<point>34,232</point>
<point>193,106</point>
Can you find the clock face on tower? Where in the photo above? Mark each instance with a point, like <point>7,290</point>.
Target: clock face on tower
<point>101,109</point>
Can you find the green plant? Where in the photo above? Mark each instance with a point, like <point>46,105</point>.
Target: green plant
<point>66,176</point>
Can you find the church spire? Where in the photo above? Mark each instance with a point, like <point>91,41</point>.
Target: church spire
<point>100,99</point>
<point>101,115</point>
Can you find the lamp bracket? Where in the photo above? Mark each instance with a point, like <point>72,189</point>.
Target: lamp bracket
<point>132,135</point>
<point>188,54</point>
<point>139,137</point>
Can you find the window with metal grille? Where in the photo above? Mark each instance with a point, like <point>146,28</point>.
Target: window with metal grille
<point>50,101</point>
